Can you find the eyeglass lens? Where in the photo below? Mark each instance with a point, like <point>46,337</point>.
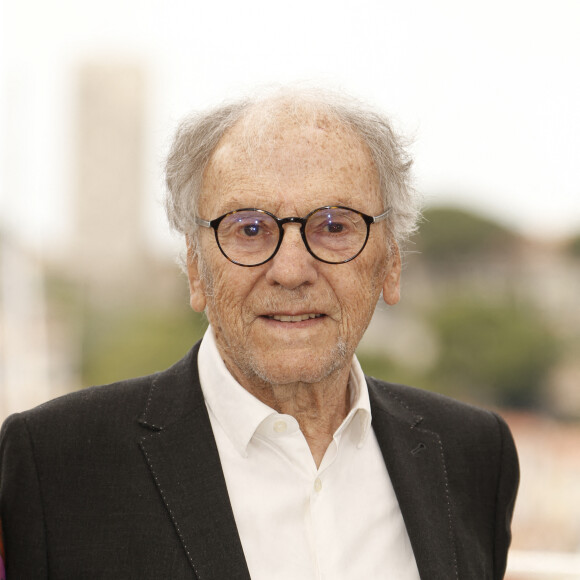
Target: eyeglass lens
<point>251,237</point>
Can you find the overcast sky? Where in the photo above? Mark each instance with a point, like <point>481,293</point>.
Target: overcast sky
<point>490,91</point>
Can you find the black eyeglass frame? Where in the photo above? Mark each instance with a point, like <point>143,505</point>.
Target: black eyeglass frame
<point>291,220</point>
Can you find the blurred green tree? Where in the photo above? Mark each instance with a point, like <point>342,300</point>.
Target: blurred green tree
<point>573,246</point>
<point>499,353</point>
<point>127,342</point>
<point>453,235</point>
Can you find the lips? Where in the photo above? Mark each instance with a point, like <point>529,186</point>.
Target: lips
<point>293,317</point>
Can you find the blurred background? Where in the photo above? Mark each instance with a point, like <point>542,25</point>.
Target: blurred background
<point>489,92</point>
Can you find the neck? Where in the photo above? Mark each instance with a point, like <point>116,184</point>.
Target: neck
<point>319,407</point>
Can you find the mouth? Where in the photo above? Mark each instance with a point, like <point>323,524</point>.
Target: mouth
<point>293,317</point>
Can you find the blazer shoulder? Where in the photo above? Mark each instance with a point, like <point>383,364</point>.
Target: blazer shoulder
<point>94,400</point>
<point>439,413</point>
<point>116,402</point>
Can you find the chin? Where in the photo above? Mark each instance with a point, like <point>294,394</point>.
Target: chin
<point>293,367</point>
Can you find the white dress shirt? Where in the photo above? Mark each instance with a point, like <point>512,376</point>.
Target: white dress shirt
<point>297,522</point>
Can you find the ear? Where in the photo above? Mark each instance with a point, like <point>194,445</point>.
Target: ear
<point>196,291</point>
<point>391,285</point>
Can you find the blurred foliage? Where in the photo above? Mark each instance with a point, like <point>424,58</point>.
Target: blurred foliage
<point>573,246</point>
<point>381,367</point>
<point>453,235</point>
<point>384,367</point>
<point>494,352</point>
<point>488,353</point>
<point>62,292</point>
<point>127,342</point>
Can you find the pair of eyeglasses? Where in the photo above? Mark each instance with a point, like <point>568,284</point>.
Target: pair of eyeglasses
<point>331,234</point>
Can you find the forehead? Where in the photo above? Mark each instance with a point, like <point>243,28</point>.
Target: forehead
<point>296,157</point>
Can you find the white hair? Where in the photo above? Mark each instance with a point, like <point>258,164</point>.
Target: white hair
<point>199,134</point>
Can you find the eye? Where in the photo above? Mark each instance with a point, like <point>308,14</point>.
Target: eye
<point>334,227</point>
<point>246,226</point>
<point>331,224</point>
<point>251,230</point>
<point>254,227</point>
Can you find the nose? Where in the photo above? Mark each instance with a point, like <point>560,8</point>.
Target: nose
<point>292,265</point>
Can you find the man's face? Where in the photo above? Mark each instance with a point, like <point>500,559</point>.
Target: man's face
<point>292,170</point>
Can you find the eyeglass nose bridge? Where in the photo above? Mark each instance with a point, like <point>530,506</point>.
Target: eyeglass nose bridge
<point>292,220</point>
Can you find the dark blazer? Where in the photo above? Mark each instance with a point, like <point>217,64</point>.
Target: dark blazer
<point>124,481</point>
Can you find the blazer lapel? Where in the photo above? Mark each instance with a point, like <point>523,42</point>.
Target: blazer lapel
<point>181,453</point>
<point>416,465</point>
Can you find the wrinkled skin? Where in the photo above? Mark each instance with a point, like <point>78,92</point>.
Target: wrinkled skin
<point>299,367</point>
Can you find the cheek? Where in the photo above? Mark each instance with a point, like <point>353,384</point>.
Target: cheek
<point>360,296</point>
<point>359,303</point>
<point>227,290</point>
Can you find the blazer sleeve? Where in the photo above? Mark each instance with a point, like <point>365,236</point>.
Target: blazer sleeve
<point>507,487</point>
<point>21,509</point>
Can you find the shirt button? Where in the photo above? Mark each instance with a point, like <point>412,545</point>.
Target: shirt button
<point>280,426</point>
<point>317,484</point>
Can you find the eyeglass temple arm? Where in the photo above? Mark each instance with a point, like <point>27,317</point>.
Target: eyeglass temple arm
<point>378,218</point>
<point>201,222</point>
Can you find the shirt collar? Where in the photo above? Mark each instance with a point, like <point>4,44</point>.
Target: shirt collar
<point>240,414</point>
<point>360,406</point>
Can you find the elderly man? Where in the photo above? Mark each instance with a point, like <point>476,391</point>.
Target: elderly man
<point>266,452</point>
